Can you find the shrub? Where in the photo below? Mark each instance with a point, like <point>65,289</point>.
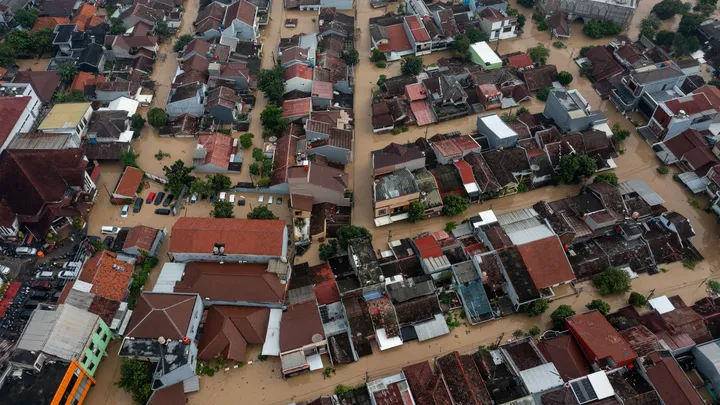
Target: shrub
<point>543,94</point>
<point>534,331</point>
<point>663,169</point>
<point>381,64</point>
<point>637,300</point>
<point>328,250</point>
<point>246,140</point>
<point>599,305</point>
<point>565,78</point>
<point>559,315</point>
<point>537,307</point>
<point>157,117</point>
<point>416,212</point>
<point>713,286</point>
<point>609,178</point>
<point>454,204</point>
<point>612,281</point>
<point>450,226</point>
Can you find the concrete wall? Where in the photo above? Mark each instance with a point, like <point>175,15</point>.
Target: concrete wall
<point>394,205</point>
<point>338,4</point>
<point>411,165</point>
<point>99,341</point>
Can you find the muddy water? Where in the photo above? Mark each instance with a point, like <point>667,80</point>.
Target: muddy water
<point>259,383</point>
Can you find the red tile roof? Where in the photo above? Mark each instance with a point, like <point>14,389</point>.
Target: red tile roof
<point>297,108</point>
<point>83,79</point>
<point>427,388</point>
<point>466,173</point>
<point>300,70</point>
<point>423,114</point>
<point>84,16</point>
<point>398,39</point>
<point>322,89</point>
<point>546,262</point>
<point>229,329</point>
<point>218,148</point>
<point>110,277</point>
<point>692,104</point>
<point>686,141</point>
<point>567,356</point>
<point>260,237</point>
<point>166,315</point>
<point>670,381</point>
<point>456,146</point>
<point>301,202</point>
<point>428,247</point>
<point>417,29</point>
<point>231,282</point>
<point>241,10</point>
<point>416,91</point>
<point>520,61</point>
<point>49,23</point>
<point>600,340</point>
<point>712,93</point>
<point>140,236</point>
<point>11,109</point>
<point>172,395</point>
<point>603,62</point>
<point>45,83</point>
<point>327,292</point>
<point>129,182</point>
<point>300,325</point>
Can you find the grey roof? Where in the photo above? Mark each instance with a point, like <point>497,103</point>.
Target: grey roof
<point>79,299</point>
<point>62,333</point>
<point>541,378</point>
<point>432,329</point>
<point>645,76</point>
<point>476,302</point>
<point>396,184</point>
<point>410,288</point>
<point>301,294</point>
<point>465,272</point>
<point>427,184</point>
<point>41,140</point>
<point>516,216</point>
<point>38,330</point>
<point>643,189</point>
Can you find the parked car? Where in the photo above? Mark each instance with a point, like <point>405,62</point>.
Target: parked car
<point>124,211</point>
<point>93,239</point>
<point>25,251</point>
<point>232,198</point>
<point>261,198</point>
<point>159,198</point>
<point>162,211</point>
<point>222,195</point>
<point>109,230</point>
<point>168,200</point>
<point>68,274</point>
<point>138,205</point>
<point>278,201</point>
<point>4,270</point>
<point>241,202</point>
<point>150,198</point>
<point>194,198</point>
<point>108,241</point>
<point>212,198</point>
<point>41,285</point>
<point>270,200</point>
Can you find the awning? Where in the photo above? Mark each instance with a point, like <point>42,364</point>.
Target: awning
<point>399,217</point>
<point>382,221</point>
<point>315,362</point>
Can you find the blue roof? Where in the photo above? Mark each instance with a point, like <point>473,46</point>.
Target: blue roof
<point>477,305</point>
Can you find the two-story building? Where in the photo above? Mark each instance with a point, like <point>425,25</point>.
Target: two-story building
<point>392,195</point>
<point>67,118</point>
<point>641,88</point>
<point>187,99</point>
<point>21,107</point>
<point>673,117</point>
<point>497,24</point>
<point>240,24</point>
<point>571,111</point>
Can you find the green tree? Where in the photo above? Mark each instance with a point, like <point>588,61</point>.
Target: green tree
<point>346,233</point>
<point>129,158</point>
<point>42,41</point>
<point>619,134</point>
<point>381,80</point>
<point>272,121</point>
<point>177,176</point>
<point>261,212</point>
<point>254,169</point>
<point>162,29</point>
<point>246,140</point>
<point>668,8</point>
<point>565,78</point>
<point>453,204</point>
<point>713,286</point>
<point>573,168</point>
<point>377,56</point>
<point>585,49</point>
<point>200,187</point>
<point>328,250</point>
<point>416,212</point>
<point>534,331</point>
<point>264,182</point>
<point>7,55</point>
<point>637,300</point>
<point>649,27</point>
<point>599,28</point>
<point>20,42</point>
<point>476,35</point>
<point>182,42</point>
<point>537,307</point>
<point>411,65</point>
<point>351,57</point>
<point>26,18</point>
<point>686,45</point>
<point>612,281</point>
<point>538,53</point>
<point>543,25</point>
<point>116,27</point>
<point>689,23</point>
<point>543,94</point>
<point>74,96</point>
<point>135,378</point>
<point>258,154</point>
<point>521,19</point>
<point>450,226</point>
<point>664,38</point>
<point>599,305</point>
<point>705,7</point>
<point>609,178</point>
<point>219,182</point>
<point>157,117</point>
<point>559,315</point>
<point>461,47</point>
<point>272,83</point>
<point>222,209</point>
<point>67,71</point>
<point>137,121</point>
<point>527,3</point>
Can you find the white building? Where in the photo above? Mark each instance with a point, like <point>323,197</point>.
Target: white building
<point>20,108</point>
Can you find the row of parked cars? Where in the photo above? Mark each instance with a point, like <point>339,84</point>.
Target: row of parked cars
<point>158,198</point>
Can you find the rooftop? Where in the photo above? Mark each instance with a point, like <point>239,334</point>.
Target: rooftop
<point>463,379</point>
<point>65,115</point>
<point>239,236</point>
<point>546,262</point>
<point>110,277</point>
<point>601,339</point>
<point>670,380</point>
<point>231,282</point>
<point>229,329</point>
<point>300,325</point>
<point>456,146</point>
<point>394,185</point>
<point>518,274</point>
<point>567,355</point>
<point>160,314</point>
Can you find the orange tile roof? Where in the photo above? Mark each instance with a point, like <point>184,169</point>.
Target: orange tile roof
<point>546,262</point>
<point>219,148</point>
<point>83,79</point>
<point>49,22</point>
<point>129,182</point>
<point>84,16</point>
<point>109,276</point>
<point>241,236</point>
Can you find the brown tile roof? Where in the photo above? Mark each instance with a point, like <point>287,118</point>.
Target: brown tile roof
<point>218,148</point>
<point>11,109</point>
<point>603,62</point>
<point>520,61</point>
<point>559,22</point>
<point>140,236</point>
<point>172,395</point>
<point>215,11</point>
<point>540,77</point>
<point>231,282</point>
<point>199,46</point>
<point>166,315</point>
<point>261,237</point>
<point>326,292</point>
<point>294,53</point>
<point>228,330</point>
<point>601,340</point>
<point>301,202</point>
<point>482,173</point>
<point>110,277</point>
<point>300,70</point>
<point>196,62</point>
<point>328,177</point>
<point>641,339</point>
<point>84,16</point>
<point>427,388</point>
<point>49,23</point>
<point>299,326</point>
<point>129,182</point>
<point>463,379</point>
<point>296,108</point>
<point>240,10</point>
<point>670,381</point>
<point>395,154</point>
<point>44,83</point>
<point>83,79</point>
<point>567,356</point>
<point>284,157</point>
<point>546,262</point>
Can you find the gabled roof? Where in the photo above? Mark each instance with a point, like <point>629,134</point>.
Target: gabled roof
<point>299,70</point>
<point>83,79</point>
<point>241,10</point>
<point>463,379</point>
<point>603,62</point>
<point>481,171</point>
<point>161,314</point>
<point>110,277</point>
<point>546,262</point>
<point>593,331</point>
<point>44,83</point>
<point>300,325</point>
<point>11,109</point>
<point>229,329</point>
<point>84,17</point>
<point>129,182</point>
<point>456,146</point>
<point>540,77</point>
<point>520,61</point>
<point>231,282</point>
<point>427,388</point>
<point>49,23</point>
<point>670,381</point>
<point>240,236</point>
<point>218,148</point>
<point>395,154</point>
<point>141,237</point>
<point>712,93</point>
<point>296,108</point>
<point>558,22</point>
<point>567,356</point>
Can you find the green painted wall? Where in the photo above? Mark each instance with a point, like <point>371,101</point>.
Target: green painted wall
<point>97,348</point>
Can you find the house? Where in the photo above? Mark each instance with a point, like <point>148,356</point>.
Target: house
<point>688,146</point>
<point>85,17</point>
<point>520,61</point>
<point>237,73</point>
<point>51,382</point>
<point>497,24</point>
<point>44,83</point>
<point>382,121</point>
<point>336,147</point>
<point>294,55</point>
<point>208,21</point>
<point>298,109</point>
<point>417,34</point>
<point>322,182</point>
<point>197,46</point>
<point>44,141</point>
<point>451,149</point>
<point>571,111</point>
<point>484,178</point>
<point>679,225</point>
<point>105,276</point>
<point>20,107</point>
<point>109,126</point>
<point>668,379</point>
<point>63,334</point>
<point>498,134</point>
<point>187,99</point>
<point>229,329</point>
<point>559,26</point>
<point>44,23</point>
<point>142,239</point>
<point>620,14</point>
<point>59,8</point>
<point>109,91</point>
<point>67,118</point>
<point>483,55</point>
<point>163,329</point>
<point>330,22</point>
<point>604,65</point>
<point>240,24</point>
<point>183,126</point>
<point>566,354</point>
<point>427,387</point>
<point>217,153</point>
<point>224,105</point>
<point>302,339</point>
<point>392,195</point>
<point>672,117</point>
<point>396,156</point>
<point>86,82</point>
<point>219,239</point>
<point>127,187</point>
<point>299,77</point>
<point>546,262</point>
<point>387,35</point>
<point>636,89</point>
<point>602,344</point>
<point>140,13</point>
<point>57,188</point>
<point>707,355</point>
<point>132,46</point>
<point>540,77</point>
<point>462,379</point>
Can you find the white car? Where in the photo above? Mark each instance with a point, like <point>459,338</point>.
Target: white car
<point>124,211</point>
<point>261,198</point>
<point>25,251</point>
<point>4,270</point>
<point>109,230</point>
<point>222,195</point>
<point>270,200</point>
<point>232,198</point>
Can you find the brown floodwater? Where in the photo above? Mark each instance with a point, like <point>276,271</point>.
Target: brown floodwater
<point>260,382</point>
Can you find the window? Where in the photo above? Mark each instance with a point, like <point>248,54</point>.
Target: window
<point>508,29</point>
<point>92,346</point>
<point>83,358</point>
<point>106,338</point>
<point>99,330</point>
<point>382,212</point>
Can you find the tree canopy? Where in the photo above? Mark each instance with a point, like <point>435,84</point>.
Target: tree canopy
<point>411,65</point>
<point>685,45</point>
<point>272,83</point>
<point>575,167</point>
<point>453,204</point>
<point>157,117</point>
<point>612,281</point>
<point>599,305</point>
<point>609,178</point>
<point>26,18</point>
<point>328,249</point>
<point>601,28</point>
<point>162,29</point>
<point>565,78</point>
<point>178,175</point>
<point>416,212</point>
<point>543,94</point>
<point>538,52</point>
<point>649,27</point>
<point>559,315</point>
<point>222,209</point>
<point>261,212</point>
<point>246,140</point>
<point>68,71</point>
<point>135,378</point>
<point>665,38</point>
<point>637,300</point>
<point>219,182</point>
<point>668,8</point>
<point>689,23</point>
<point>272,121</point>
<point>352,57</point>
<point>346,233</point>
<point>182,42</point>
<point>537,307</point>
<point>73,96</point>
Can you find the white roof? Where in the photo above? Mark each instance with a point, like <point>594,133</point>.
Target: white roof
<point>124,104</point>
<point>384,342</point>
<point>488,217</point>
<point>483,50</point>
<point>527,235</point>
<point>170,274</point>
<point>498,126</point>
<point>661,304</point>
<point>471,188</point>
<point>541,378</point>
<point>601,385</point>
<point>272,337</point>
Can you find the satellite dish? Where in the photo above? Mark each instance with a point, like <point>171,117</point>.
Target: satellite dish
<point>534,168</point>
<point>273,139</point>
<point>317,338</point>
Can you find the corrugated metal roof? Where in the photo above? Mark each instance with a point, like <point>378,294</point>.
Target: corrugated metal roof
<point>521,225</point>
<point>527,235</point>
<point>272,337</point>
<point>38,330</point>
<point>432,329</point>
<point>72,330</point>
<point>541,378</point>
<point>693,182</point>
<point>476,301</point>
<point>643,190</point>
<point>170,274</point>
<point>516,216</point>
